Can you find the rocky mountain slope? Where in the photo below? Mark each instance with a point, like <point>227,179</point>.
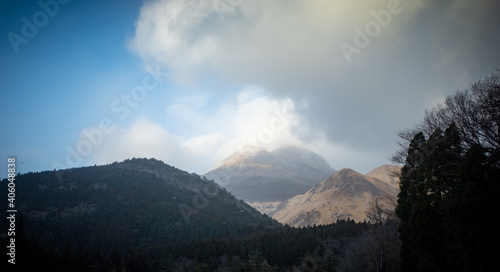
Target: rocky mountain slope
<point>345,194</point>
<point>258,175</point>
<point>387,173</point>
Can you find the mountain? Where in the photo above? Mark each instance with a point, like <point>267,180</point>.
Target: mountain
<point>258,175</point>
<point>345,194</point>
<point>387,173</point>
<point>138,203</point>
<point>144,215</point>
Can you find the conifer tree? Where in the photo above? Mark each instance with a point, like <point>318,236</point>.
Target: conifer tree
<point>446,200</point>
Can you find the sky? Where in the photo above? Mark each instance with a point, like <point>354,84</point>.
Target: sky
<point>190,82</point>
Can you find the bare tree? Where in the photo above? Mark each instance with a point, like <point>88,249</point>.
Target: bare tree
<point>378,248</point>
<point>476,113</point>
<point>382,209</point>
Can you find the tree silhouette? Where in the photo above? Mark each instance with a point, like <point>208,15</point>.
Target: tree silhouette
<point>475,112</point>
<point>448,195</point>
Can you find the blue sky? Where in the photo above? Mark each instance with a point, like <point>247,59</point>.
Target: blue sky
<point>207,77</point>
<point>62,79</point>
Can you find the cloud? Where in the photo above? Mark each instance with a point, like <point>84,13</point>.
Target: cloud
<point>281,43</point>
<point>292,49</point>
<point>250,118</point>
<point>142,139</point>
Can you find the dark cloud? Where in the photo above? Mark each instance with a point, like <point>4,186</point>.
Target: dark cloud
<point>423,53</point>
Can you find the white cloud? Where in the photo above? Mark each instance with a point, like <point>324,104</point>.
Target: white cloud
<point>250,118</point>
<point>142,139</point>
<point>291,48</point>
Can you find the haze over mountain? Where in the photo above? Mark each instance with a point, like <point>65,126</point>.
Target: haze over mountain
<point>345,194</point>
<point>255,174</point>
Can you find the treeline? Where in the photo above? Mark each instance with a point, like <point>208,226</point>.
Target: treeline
<point>30,255</point>
<point>450,184</point>
<point>336,247</point>
<point>132,204</point>
<point>143,215</point>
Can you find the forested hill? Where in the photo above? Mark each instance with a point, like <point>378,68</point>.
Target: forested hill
<point>144,215</point>
<point>131,204</point>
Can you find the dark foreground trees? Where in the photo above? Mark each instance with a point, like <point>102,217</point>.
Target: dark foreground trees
<point>450,184</point>
<point>475,112</point>
<point>318,248</point>
<point>377,248</point>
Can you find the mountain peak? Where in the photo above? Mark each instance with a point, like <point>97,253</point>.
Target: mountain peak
<point>346,171</point>
<point>387,173</point>
<point>242,154</point>
<point>250,150</point>
<point>345,194</point>
<point>295,155</point>
<point>256,174</point>
<point>348,182</point>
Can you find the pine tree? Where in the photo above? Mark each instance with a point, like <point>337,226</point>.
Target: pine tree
<point>445,204</point>
<point>407,200</point>
<point>426,180</point>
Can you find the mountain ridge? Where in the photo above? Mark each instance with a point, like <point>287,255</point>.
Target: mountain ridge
<point>345,194</point>
<point>387,173</point>
<point>146,200</point>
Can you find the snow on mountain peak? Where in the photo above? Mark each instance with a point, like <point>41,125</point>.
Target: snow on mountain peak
<point>282,173</point>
